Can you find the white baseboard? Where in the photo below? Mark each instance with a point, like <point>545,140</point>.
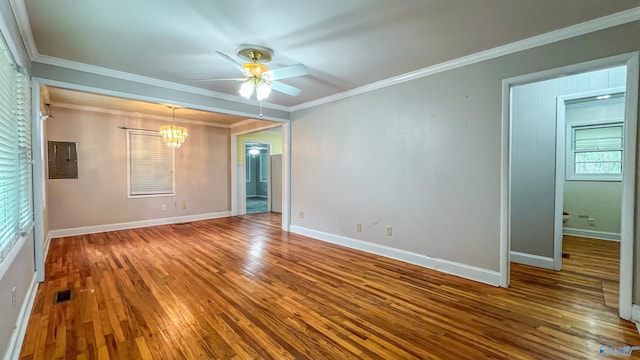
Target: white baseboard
<point>635,316</point>
<point>601,235</point>
<point>15,343</point>
<point>532,260</point>
<point>635,313</point>
<point>134,224</point>
<point>47,243</point>
<point>462,270</point>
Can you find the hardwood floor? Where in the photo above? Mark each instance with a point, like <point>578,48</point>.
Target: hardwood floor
<point>241,288</point>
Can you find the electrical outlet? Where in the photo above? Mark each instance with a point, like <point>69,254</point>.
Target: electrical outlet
<point>301,214</point>
<point>184,205</point>
<point>358,227</point>
<point>163,207</point>
<point>13,298</point>
<point>389,230</point>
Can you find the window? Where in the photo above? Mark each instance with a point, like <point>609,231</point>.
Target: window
<point>595,152</point>
<point>150,171</point>
<point>16,205</point>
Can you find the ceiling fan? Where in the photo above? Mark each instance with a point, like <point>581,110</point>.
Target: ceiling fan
<point>258,77</point>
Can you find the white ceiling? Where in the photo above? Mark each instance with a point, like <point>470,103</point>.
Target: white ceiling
<point>344,44</point>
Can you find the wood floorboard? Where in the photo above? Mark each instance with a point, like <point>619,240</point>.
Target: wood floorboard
<point>240,288</point>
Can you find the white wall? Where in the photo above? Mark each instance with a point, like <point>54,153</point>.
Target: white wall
<point>599,200</point>
<point>422,156</point>
<point>534,157</point>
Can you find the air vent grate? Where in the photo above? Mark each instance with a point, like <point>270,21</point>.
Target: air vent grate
<point>62,296</point>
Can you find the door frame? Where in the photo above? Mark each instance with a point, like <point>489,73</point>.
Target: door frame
<point>631,60</point>
<point>286,171</point>
<point>268,144</point>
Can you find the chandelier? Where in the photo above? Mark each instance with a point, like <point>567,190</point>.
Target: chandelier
<point>173,135</point>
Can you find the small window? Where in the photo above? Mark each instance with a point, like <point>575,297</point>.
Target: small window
<point>595,152</point>
<point>150,170</point>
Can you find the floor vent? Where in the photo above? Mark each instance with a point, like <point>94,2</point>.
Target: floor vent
<point>62,296</point>
<point>565,255</point>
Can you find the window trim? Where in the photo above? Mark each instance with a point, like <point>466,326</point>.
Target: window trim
<point>570,174</point>
<point>128,155</point>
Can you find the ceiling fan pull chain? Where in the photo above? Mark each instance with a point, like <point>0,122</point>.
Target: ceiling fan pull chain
<point>260,109</point>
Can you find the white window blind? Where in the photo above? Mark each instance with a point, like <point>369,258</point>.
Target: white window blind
<point>23,114</point>
<point>151,164</point>
<point>9,231</point>
<point>596,152</point>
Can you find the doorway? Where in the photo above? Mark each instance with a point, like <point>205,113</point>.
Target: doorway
<point>257,177</point>
<point>544,208</point>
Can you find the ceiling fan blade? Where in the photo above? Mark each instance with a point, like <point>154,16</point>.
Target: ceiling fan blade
<point>285,89</point>
<point>287,72</point>
<point>236,79</point>
<point>233,62</point>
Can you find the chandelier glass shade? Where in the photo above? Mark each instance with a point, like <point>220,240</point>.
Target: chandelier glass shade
<point>262,88</point>
<point>173,135</point>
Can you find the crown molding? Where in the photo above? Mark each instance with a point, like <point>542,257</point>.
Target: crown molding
<point>145,116</point>
<point>586,27</point>
<point>24,26</point>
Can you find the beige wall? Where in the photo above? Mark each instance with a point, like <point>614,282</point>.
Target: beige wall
<point>99,195</point>
<point>422,156</point>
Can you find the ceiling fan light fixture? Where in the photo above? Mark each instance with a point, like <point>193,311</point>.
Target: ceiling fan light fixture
<point>246,89</point>
<point>262,91</point>
<point>255,69</point>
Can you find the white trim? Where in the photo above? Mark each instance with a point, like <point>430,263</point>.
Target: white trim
<point>24,26</point>
<point>47,244</point>
<point>101,91</point>
<point>260,128</point>
<point>17,338</point>
<point>98,70</point>
<point>134,224</point>
<point>144,116</point>
<point>629,181</point>
<point>462,270</point>
<point>635,313</point>
<point>39,183</point>
<point>286,176</point>
<point>559,182</point>
<point>532,260</point>
<point>505,188</point>
<point>592,234</point>
<point>234,175</point>
<point>586,27</point>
